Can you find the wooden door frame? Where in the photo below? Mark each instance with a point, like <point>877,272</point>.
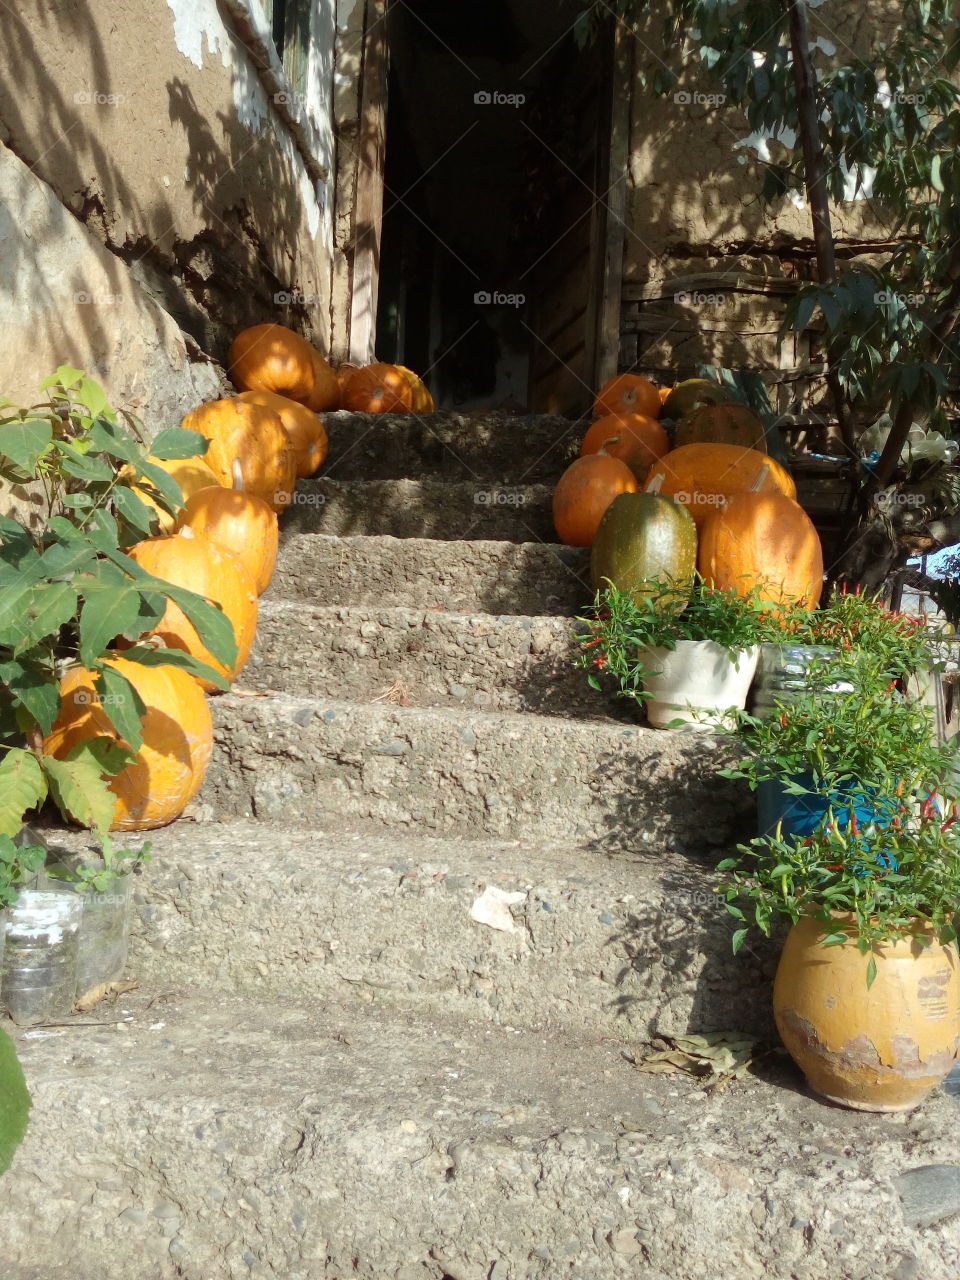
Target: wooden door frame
<point>358,212</point>
<point>606,350</point>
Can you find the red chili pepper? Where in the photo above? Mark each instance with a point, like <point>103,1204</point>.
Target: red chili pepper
<point>853,824</point>
<point>600,662</point>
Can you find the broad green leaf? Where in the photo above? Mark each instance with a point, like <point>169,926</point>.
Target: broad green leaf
<point>22,787</point>
<point>81,467</point>
<point>135,511</point>
<point>739,938</point>
<point>936,181</point>
<point>176,658</point>
<point>92,396</point>
<point>101,529</point>
<point>24,442</point>
<point>80,791</point>
<point>109,755</point>
<point>213,626</point>
<point>77,501</point>
<point>122,705</point>
<point>65,558</point>
<point>65,376</point>
<point>31,612</point>
<point>871,971</point>
<point>163,482</point>
<point>15,1102</point>
<point>177,442</point>
<point>104,616</point>
<point>150,613</point>
<point>107,438</point>
<point>35,688</point>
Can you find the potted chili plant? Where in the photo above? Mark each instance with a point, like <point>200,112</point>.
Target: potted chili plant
<point>687,667</point>
<point>867,992</point>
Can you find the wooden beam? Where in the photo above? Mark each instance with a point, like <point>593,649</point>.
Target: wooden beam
<point>368,203</point>
<point>621,91</point>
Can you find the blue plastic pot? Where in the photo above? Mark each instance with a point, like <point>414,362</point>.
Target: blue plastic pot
<point>801,814</point>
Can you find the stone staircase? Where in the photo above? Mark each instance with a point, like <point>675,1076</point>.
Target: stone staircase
<point>332,1069</point>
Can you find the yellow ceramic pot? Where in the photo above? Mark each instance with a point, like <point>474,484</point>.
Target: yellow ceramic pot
<point>878,1048</point>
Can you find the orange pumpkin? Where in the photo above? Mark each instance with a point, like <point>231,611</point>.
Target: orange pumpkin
<point>722,424</point>
<point>170,766</point>
<point>628,393</point>
<point>240,523</point>
<point>634,439</point>
<point>190,474</point>
<point>423,401</point>
<point>325,394</point>
<point>271,357</point>
<point>378,388</point>
<point>702,475</point>
<point>200,565</point>
<point>255,434</point>
<point>307,433</point>
<point>763,539</point>
<point>584,492</point>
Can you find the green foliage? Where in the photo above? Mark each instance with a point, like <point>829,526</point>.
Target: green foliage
<point>620,632</point>
<point>15,1102</point>
<point>888,117</point>
<point>69,593</point>
<point>850,728</point>
<point>896,881</point>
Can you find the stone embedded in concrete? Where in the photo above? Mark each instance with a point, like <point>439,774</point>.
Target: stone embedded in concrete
<point>475,576</point>
<point>929,1194</point>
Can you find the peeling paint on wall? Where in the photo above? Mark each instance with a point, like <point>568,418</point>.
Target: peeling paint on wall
<point>195,21</point>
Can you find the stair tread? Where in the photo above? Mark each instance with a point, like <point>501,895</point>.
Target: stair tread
<point>326,1140</point>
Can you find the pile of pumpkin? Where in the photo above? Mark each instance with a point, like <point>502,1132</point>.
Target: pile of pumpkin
<point>710,498</point>
<point>223,546</point>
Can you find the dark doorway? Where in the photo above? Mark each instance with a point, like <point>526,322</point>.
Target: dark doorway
<point>495,211</point>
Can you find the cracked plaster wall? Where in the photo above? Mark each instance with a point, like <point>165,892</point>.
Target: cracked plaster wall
<point>192,201</point>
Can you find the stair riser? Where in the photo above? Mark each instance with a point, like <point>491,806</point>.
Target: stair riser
<point>442,774</point>
<point>427,659</point>
<point>469,577</point>
<point>450,447</point>
<point>610,951</point>
<point>427,509</point>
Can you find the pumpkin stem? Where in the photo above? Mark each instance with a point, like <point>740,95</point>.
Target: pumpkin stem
<point>761,479</point>
<point>603,447</point>
<point>654,484</point>
<point>187,532</point>
<point>236,471</point>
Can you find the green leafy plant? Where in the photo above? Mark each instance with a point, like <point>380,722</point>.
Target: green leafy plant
<point>620,633</point>
<point>850,729</point>
<point>871,883</point>
<point>68,593</point>
<point>898,645</point>
<point>15,1102</point>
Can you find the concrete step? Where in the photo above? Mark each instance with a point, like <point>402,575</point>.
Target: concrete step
<point>453,446</point>
<point>465,577</point>
<point>451,772</point>
<point>201,1137</point>
<point>429,508</point>
<point>617,945</point>
<point>418,657</point>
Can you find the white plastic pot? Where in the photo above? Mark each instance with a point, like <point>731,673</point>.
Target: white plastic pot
<point>697,683</point>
